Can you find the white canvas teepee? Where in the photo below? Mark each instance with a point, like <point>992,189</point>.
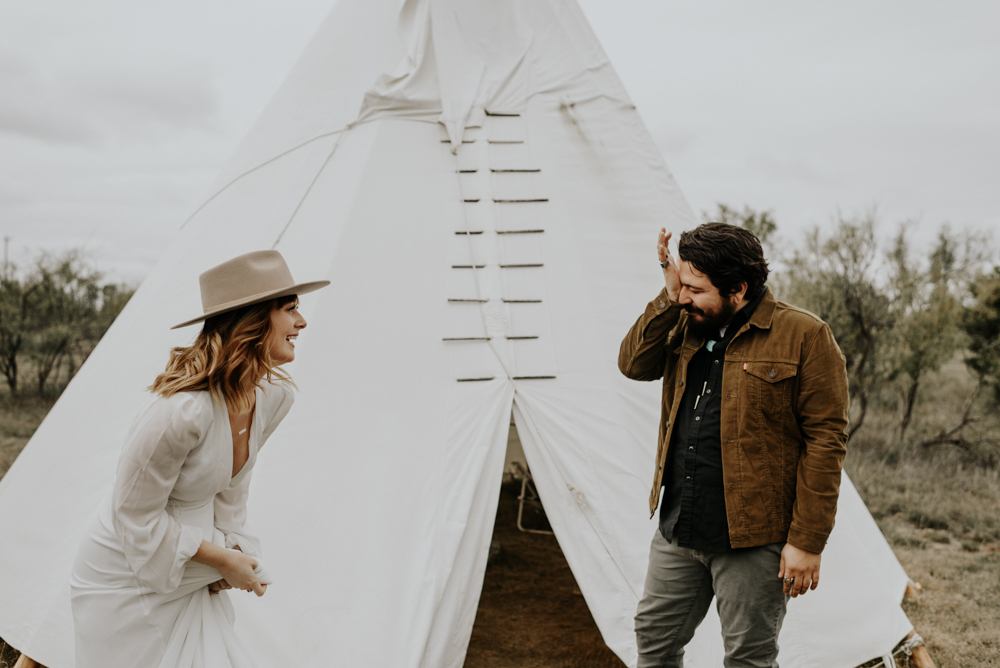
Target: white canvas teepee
<point>474,180</point>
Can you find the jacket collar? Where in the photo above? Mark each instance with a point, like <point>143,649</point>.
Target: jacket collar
<point>764,313</point>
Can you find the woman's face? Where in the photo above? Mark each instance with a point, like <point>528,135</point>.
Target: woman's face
<point>286,322</point>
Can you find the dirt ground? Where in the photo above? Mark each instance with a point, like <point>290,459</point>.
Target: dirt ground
<point>531,613</point>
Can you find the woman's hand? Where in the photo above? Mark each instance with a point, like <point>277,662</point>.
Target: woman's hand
<point>670,276</point>
<point>218,586</point>
<point>237,571</point>
<point>236,568</point>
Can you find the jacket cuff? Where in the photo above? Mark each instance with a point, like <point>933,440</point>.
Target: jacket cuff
<point>807,540</point>
<point>660,306</point>
<point>662,301</point>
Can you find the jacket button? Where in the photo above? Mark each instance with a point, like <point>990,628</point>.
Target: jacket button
<point>772,375</point>
<point>681,383</point>
<point>662,305</point>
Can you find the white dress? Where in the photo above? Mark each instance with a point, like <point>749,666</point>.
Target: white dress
<point>137,598</point>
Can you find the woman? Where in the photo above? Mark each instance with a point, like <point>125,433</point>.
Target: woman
<point>148,580</point>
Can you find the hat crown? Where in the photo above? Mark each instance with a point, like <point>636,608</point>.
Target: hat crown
<point>244,277</point>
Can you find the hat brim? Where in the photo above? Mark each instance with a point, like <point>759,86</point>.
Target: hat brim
<point>298,289</point>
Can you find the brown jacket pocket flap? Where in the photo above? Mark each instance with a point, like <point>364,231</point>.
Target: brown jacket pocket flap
<point>771,372</point>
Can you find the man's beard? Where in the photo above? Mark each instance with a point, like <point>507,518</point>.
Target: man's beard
<point>709,324</point>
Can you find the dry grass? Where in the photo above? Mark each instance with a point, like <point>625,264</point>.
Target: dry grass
<point>19,417</point>
<point>939,507</point>
<point>941,518</point>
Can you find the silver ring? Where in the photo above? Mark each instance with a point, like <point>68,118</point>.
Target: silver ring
<point>665,263</point>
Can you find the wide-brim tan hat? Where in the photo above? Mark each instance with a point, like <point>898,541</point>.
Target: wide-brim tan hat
<point>245,280</point>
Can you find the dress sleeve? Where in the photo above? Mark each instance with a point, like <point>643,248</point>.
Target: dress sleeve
<point>231,503</point>
<point>156,546</point>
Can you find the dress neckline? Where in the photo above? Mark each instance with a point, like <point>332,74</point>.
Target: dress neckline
<point>251,431</point>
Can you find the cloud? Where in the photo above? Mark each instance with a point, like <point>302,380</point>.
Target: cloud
<point>675,143</point>
<point>31,107</point>
<point>792,168</point>
<point>92,107</point>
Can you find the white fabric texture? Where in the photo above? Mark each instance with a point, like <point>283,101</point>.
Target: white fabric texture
<point>137,598</point>
<point>391,168</point>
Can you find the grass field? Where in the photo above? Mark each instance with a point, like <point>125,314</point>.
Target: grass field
<point>18,421</point>
<point>940,514</point>
<point>941,518</point>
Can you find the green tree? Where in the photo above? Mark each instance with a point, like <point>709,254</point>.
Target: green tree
<point>926,301</point>
<point>52,316</point>
<point>837,276</point>
<point>16,306</point>
<point>981,322</point>
<point>975,433</point>
<point>65,311</point>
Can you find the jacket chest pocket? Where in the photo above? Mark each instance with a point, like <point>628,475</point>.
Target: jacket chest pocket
<point>770,385</point>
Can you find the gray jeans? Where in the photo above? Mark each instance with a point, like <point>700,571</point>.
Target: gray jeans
<point>680,585</point>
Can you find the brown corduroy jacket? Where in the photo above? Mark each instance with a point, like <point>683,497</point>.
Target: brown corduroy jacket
<point>784,416</point>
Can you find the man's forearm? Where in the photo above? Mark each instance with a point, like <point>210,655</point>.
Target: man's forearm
<point>643,353</point>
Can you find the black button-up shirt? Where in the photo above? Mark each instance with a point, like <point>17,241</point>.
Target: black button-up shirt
<point>694,501</point>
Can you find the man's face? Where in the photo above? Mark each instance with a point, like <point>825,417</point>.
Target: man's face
<point>708,311</point>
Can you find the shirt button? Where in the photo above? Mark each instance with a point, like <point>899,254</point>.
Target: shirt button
<point>771,375</point>
<point>662,305</point>
<point>697,418</point>
<point>716,361</point>
<point>708,391</point>
<point>687,477</point>
<point>690,447</point>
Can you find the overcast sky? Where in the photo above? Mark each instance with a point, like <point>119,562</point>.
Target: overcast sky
<point>115,116</point>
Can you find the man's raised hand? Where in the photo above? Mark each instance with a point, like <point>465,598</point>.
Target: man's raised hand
<point>670,276</point>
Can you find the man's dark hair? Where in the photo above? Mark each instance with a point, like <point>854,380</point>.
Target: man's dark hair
<point>728,255</point>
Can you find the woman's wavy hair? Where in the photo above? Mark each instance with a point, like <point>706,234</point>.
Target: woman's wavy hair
<point>229,358</point>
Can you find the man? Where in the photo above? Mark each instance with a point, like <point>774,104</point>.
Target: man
<point>751,444</point>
